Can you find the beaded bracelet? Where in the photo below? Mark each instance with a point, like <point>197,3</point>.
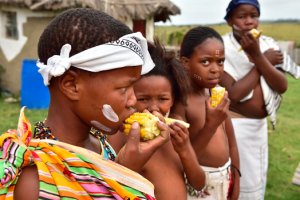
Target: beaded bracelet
<point>237,169</point>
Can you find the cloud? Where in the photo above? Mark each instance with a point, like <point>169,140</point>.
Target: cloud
<point>213,11</point>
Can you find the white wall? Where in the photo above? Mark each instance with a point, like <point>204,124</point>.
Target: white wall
<point>11,47</point>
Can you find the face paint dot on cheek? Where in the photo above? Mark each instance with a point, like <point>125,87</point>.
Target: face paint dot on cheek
<point>100,126</point>
<point>197,77</point>
<point>109,113</point>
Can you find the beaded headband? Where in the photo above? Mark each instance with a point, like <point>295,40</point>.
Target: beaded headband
<point>129,50</point>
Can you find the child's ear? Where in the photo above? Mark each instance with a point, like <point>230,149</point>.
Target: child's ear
<point>229,22</point>
<point>68,84</point>
<point>185,61</point>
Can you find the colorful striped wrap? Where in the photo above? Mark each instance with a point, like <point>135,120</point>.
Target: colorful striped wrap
<point>65,171</point>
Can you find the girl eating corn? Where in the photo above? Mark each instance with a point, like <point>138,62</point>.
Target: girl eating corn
<point>211,132</point>
<point>156,92</point>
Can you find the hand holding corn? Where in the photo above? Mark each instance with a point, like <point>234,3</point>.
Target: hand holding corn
<point>148,124</point>
<point>255,34</point>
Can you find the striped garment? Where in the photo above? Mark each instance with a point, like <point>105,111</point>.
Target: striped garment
<point>65,171</point>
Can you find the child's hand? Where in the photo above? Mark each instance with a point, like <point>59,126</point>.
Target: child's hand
<point>135,153</point>
<point>250,44</point>
<point>274,56</point>
<point>179,137</point>
<point>215,116</point>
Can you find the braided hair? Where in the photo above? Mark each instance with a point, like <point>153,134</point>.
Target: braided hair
<point>195,37</point>
<point>82,28</point>
<point>168,66</point>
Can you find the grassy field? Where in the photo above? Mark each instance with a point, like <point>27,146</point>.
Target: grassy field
<point>284,148</point>
<point>283,142</point>
<point>287,31</point>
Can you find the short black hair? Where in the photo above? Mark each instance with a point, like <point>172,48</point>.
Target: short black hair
<point>82,28</point>
<point>195,37</point>
<point>168,66</point>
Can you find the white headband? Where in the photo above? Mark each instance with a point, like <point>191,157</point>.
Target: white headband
<point>129,50</point>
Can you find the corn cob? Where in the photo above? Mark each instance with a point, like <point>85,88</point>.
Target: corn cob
<point>255,33</point>
<point>148,124</point>
<point>170,121</point>
<point>217,94</point>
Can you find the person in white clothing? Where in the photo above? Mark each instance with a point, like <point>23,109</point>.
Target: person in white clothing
<point>254,76</point>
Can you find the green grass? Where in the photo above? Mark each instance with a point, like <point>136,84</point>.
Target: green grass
<point>9,113</point>
<point>284,151</point>
<point>284,142</point>
<point>287,31</point>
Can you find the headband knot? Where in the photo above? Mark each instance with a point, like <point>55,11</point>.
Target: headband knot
<point>57,64</point>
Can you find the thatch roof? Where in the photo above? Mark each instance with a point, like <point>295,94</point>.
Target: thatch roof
<point>120,9</point>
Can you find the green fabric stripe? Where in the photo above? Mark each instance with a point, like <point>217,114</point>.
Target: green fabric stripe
<point>48,188</point>
<point>3,191</point>
<point>133,191</point>
<point>19,153</point>
<point>84,171</point>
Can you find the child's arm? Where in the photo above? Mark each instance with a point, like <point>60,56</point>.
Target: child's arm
<point>27,187</point>
<point>235,161</point>
<point>237,90</point>
<point>275,57</point>
<point>213,118</point>
<point>274,77</point>
<point>182,145</point>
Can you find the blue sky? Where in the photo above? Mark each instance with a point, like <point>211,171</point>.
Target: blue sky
<point>213,11</point>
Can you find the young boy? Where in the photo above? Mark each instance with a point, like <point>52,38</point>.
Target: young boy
<point>89,61</point>
<point>157,91</point>
<point>211,132</point>
<point>254,80</point>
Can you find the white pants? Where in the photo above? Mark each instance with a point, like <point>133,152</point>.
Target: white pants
<point>217,183</point>
<point>252,139</point>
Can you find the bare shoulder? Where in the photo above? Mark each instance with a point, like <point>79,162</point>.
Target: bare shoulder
<point>27,187</point>
<point>196,106</point>
<point>178,111</point>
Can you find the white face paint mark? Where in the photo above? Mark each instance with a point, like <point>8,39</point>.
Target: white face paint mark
<point>100,126</point>
<point>237,30</point>
<point>236,27</point>
<point>167,114</point>
<point>109,113</point>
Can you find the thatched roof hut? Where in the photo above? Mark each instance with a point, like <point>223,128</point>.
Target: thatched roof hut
<point>22,22</point>
<point>120,9</point>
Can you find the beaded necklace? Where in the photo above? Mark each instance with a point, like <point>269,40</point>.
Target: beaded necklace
<point>43,132</point>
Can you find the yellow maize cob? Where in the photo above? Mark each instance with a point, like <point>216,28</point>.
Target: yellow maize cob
<point>148,124</point>
<point>255,33</point>
<point>170,121</point>
<point>217,94</point>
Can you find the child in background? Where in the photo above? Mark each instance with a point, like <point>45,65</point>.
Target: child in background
<point>157,91</point>
<point>254,78</point>
<point>211,131</point>
<point>89,61</point>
